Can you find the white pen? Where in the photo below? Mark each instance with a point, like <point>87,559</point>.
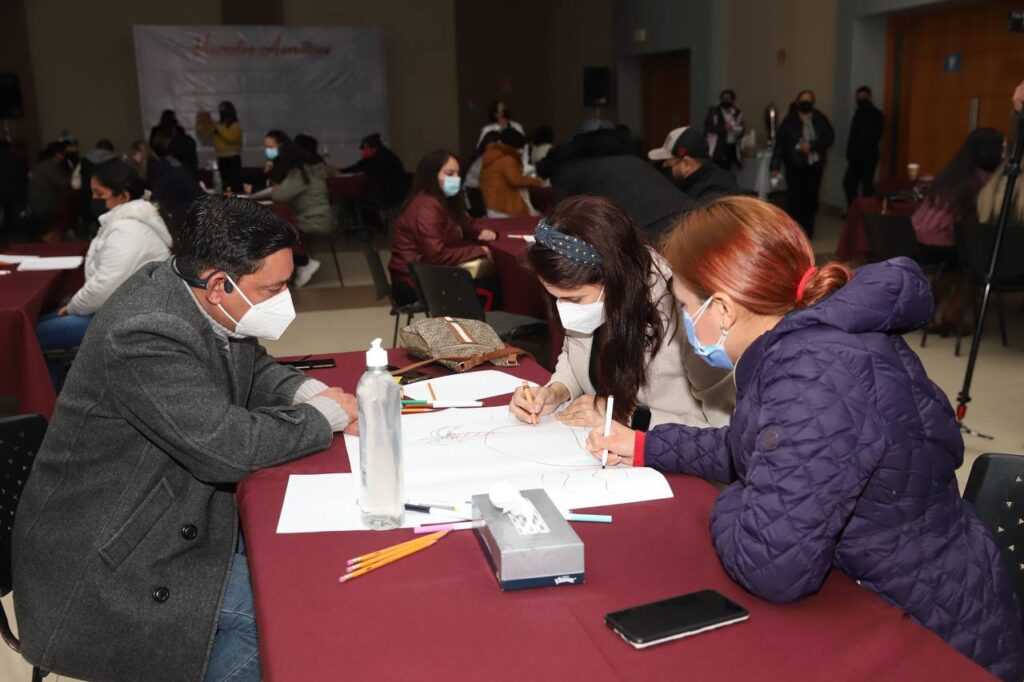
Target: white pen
<point>607,427</point>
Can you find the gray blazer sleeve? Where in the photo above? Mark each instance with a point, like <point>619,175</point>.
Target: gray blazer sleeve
<point>273,385</point>
<point>162,387</point>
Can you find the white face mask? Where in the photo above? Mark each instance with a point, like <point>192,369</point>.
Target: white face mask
<point>266,320</point>
<point>584,318</point>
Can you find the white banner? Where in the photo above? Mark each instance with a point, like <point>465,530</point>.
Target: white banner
<point>327,82</point>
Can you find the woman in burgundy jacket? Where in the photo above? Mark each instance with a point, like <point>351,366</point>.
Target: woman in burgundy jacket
<point>434,227</point>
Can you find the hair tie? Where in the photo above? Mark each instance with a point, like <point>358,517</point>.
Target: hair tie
<point>803,283</point>
<point>573,248</point>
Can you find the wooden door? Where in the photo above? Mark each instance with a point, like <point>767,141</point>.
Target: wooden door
<point>931,102</point>
<point>664,95</point>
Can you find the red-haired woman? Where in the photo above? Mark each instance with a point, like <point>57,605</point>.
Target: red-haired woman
<point>841,452</point>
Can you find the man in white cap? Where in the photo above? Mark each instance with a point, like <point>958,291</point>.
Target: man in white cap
<point>685,154</point>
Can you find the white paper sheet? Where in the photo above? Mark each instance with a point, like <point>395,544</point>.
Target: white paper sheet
<point>14,259</point>
<point>319,503</point>
<point>467,386</point>
<point>455,454</point>
<point>57,263</point>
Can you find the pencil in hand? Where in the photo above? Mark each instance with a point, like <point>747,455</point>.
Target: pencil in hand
<point>529,396</point>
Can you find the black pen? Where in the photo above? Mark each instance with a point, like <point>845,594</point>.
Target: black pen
<point>425,508</point>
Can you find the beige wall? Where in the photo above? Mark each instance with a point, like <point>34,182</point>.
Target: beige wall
<point>582,37</point>
<point>419,37</point>
<point>754,32</point>
<point>83,62</point>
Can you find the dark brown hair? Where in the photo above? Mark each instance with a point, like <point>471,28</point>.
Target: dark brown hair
<point>754,252</point>
<point>634,328</point>
<point>425,181</point>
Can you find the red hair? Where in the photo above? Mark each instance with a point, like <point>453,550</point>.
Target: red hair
<point>752,251</point>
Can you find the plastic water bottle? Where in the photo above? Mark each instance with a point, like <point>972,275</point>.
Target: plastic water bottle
<point>382,486</point>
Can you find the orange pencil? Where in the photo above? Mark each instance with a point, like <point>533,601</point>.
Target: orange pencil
<point>433,396</point>
<point>416,410</point>
<point>390,559</point>
<point>388,555</point>
<point>529,396</point>
<point>392,548</point>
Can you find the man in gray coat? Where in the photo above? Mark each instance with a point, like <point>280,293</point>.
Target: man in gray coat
<point>128,562</point>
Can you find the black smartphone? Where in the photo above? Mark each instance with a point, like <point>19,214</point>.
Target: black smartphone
<point>309,363</point>
<point>675,618</point>
<point>412,376</point>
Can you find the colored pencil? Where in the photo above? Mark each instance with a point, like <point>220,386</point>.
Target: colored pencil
<point>607,427</point>
<point>595,518</point>
<point>529,396</point>
<point>461,525</point>
<point>414,402</point>
<point>388,560</point>
<point>433,396</point>
<point>416,410</point>
<point>386,550</point>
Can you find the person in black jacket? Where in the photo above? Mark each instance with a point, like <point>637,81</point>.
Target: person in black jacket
<point>724,126</point>
<point>801,145</point>
<point>386,184</point>
<point>862,147</point>
<point>686,155</point>
<point>599,163</point>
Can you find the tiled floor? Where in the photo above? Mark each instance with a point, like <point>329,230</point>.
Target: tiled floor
<point>334,319</point>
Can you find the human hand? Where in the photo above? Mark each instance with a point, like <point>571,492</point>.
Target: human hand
<point>62,312</point>
<point>587,410</point>
<point>546,400</point>
<point>488,235</point>
<point>804,147</point>
<point>487,253</point>
<point>620,444</point>
<point>347,402</point>
<point>1018,98</point>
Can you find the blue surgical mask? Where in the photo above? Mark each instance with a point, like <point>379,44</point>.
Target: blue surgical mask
<point>271,152</point>
<point>713,354</point>
<point>451,185</point>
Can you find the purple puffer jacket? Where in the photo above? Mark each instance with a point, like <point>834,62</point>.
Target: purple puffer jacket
<point>841,452</point>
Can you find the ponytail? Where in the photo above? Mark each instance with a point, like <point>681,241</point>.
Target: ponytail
<point>822,282</point>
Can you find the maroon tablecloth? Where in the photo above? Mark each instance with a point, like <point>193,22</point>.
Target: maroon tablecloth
<point>440,615</point>
<point>24,296</point>
<point>542,198</point>
<point>853,240</point>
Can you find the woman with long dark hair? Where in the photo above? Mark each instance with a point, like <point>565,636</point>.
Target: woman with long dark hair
<point>841,452</point>
<point>303,186</point>
<point>952,197</point>
<point>434,227</point>
<point>623,336</point>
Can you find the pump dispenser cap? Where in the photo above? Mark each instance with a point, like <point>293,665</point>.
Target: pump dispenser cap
<point>376,356</point>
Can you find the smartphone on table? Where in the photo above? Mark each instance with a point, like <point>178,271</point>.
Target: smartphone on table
<point>675,618</point>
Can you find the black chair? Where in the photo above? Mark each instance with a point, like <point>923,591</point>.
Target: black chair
<point>383,289</point>
<point>996,489</point>
<point>337,226</point>
<point>974,244</point>
<point>449,292</point>
<point>20,438</point>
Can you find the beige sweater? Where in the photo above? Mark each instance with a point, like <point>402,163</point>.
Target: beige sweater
<point>681,388</point>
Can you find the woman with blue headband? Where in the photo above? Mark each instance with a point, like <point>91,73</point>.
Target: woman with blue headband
<point>623,335</point>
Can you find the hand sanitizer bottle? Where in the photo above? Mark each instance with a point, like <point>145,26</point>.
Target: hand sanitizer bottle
<point>382,489</point>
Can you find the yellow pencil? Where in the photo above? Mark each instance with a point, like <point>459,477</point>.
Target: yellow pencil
<point>529,396</point>
<point>433,396</point>
<point>388,560</point>
<point>392,548</point>
<point>386,554</point>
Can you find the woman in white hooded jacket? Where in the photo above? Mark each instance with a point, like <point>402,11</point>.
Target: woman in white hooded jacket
<point>131,234</point>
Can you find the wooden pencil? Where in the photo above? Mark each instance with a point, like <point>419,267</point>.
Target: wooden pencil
<point>529,396</point>
<point>386,550</point>
<point>390,559</point>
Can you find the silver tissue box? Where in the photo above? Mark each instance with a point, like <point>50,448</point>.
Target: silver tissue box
<point>524,561</point>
